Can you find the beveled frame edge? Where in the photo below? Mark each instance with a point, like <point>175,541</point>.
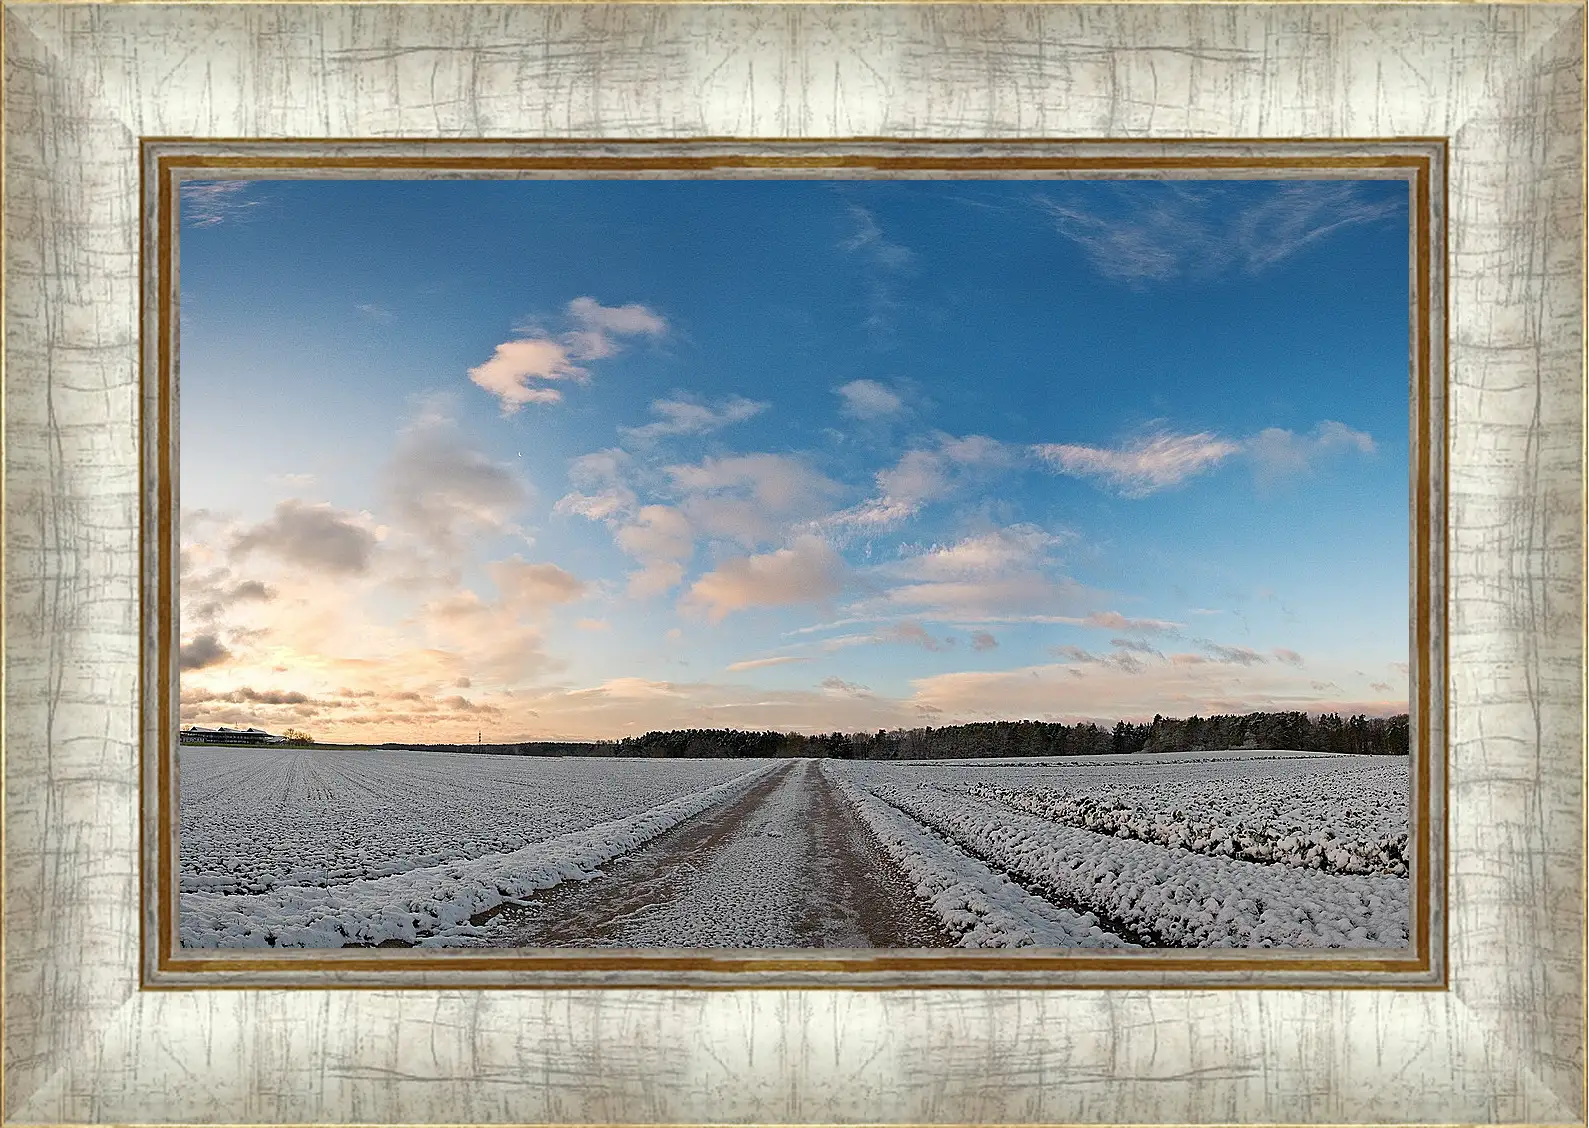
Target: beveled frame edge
<point>1422,162</point>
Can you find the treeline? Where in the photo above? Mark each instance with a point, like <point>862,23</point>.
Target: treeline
<point>1329,732</point>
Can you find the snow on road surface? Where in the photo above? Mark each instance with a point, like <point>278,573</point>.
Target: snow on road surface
<point>433,903</point>
<point>787,865</point>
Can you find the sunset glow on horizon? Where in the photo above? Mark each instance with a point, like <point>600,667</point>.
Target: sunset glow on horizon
<point>545,460</point>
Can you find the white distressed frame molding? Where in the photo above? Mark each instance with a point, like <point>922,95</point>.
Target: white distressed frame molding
<point>85,83</point>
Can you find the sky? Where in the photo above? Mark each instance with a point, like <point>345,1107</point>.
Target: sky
<point>520,460</point>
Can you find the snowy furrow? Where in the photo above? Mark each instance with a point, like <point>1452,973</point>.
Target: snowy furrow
<point>1278,844</point>
<point>1363,798</point>
<point>433,904</point>
<point>253,819</point>
<point>979,907</point>
<point>1179,898</point>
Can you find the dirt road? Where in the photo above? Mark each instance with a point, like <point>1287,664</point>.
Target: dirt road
<point>787,865</point>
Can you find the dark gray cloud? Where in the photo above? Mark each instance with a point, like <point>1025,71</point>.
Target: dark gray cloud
<point>1121,659</point>
<point>914,634</point>
<point>246,695</point>
<point>204,650</point>
<point>1238,655</point>
<point>319,537</point>
<point>464,705</point>
<point>205,596</point>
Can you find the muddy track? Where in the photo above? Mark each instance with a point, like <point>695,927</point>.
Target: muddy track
<point>786,865</point>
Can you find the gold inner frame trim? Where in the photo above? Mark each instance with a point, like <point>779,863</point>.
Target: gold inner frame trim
<point>362,968</point>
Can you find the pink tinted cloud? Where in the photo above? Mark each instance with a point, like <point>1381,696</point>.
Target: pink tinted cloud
<point>514,367</point>
<point>808,571</point>
<point>520,371</point>
<point>1114,621</point>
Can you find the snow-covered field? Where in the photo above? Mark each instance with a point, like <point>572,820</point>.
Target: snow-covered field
<point>256,818</point>
<point>321,848</point>
<point>979,907</point>
<point>1341,814</point>
<point>1248,850</point>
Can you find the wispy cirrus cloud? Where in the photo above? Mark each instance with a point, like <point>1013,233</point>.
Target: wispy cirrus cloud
<point>1013,548</point>
<point>1002,575</point>
<point>928,473</point>
<point>527,368</point>
<point>1150,233</point>
<point>1160,459</point>
<point>682,416</point>
<point>210,203</point>
<point>765,663</point>
<point>1143,465</point>
<point>886,261</point>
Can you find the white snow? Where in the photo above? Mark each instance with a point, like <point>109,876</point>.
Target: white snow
<point>750,892</point>
<point>978,906</point>
<point>434,903</point>
<point>253,819</point>
<point>1340,815</point>
<point>323,847</point>
<point>1109,758</point>
<point>1175,895</point>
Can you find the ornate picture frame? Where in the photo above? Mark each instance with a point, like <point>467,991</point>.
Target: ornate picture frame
<point>100,1028</point>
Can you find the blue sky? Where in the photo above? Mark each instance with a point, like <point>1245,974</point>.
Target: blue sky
<point>583,458</point>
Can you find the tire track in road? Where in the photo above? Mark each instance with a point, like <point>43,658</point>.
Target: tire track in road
<point>786,865</point>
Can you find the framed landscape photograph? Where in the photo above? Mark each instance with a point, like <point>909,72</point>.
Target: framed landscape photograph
<point>871,550</point>
<point>775,563</point>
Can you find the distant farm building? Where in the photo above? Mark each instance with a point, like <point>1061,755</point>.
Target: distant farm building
<point>196,735</point>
